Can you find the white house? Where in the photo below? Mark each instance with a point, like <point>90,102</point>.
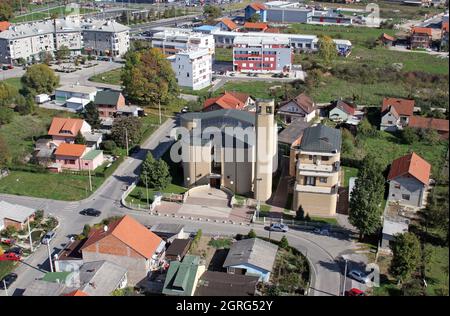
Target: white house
<point>193,68</point>
<point>64,93</point>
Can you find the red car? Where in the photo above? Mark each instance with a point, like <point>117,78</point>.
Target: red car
<point>354,292</point>
<point>9,257</point>
<point>7,241</point>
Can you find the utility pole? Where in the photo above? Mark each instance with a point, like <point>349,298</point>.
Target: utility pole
<point>29,234</point>
<point>146,188</point>
<point>90,180</point>
<point>159,106</point>
<point>345,277</point>
<point>126,139</point>
<point>49,256</point>
<point>4,286</point>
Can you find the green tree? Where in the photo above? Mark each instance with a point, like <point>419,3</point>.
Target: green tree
<point>409,135</point>
<point>273,290</point>
<point>79,139</point>
<point>8,94</point>
<point>91,115</point>
<point>39,79</point>
<point>5,156</point>
<point>307,217</point>
<point>327,49</point>
<point>108,146</point>
<point>251,234</point>
<point>62,53</point>
<point>6,12</point>
<point>406,256</point>
<point>86,230</point>
<point>155,173</point>
<point>211,12</point>
<point>300,214</point>
<point>25,105</point>
<point>126,126</point>
<point>148,78</point>
<point>367,196</point>
<point>45,58</point>
<point>290,282</point>
<point>284,242</point>
<point>366,129</point>
<point>6,115</point>
<point>254,18</point>
<point>348,142</point>
<point>431,136</point>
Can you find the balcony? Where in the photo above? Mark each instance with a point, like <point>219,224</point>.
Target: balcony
<point>315,167</point>
<point>316,189</point>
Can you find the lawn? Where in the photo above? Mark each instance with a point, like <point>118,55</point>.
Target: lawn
<point>348,173</point>
<point>224,54</point>
<point>257,89</point>
<point>437,271</point>
<point>15,82</point>
<point>57,186</point>
<point>140,191</point>
<point>59,11</point>
<point>109,77</point>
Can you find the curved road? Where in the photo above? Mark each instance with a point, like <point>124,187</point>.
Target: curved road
<point>321,251</point>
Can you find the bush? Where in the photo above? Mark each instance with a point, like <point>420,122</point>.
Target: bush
<point>86,230</point>
<point>307,217</point>
<point>9,231</point>
<point>251,234</point>
<point>109,146</point>
<point>300,215</point>
<point>409,135</point>
<point>39,215</point>
<point>284,242</point>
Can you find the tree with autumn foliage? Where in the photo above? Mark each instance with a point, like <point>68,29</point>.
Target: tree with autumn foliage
<point>148,78</point>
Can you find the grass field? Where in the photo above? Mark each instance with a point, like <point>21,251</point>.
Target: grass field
<point>140,191</point>
<point>59,11</point>
<point>15,82</point>
<point>348,173</point>
<point>109,77</point>
<point>224,54</point>
<point>257,89</point>
<point>437,272</point>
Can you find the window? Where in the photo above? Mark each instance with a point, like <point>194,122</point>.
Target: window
<point>310,180</point>
<point>325,158</point>
<point>310,157</point>
<point>269,109</point>
<point>397,186</point>
<point>69,161</point>
<point>390,122</point>
<point>323,180</point>
<point>406,197</point>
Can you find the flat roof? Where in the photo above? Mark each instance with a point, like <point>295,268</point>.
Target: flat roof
<point>77,88</point>
<point>293,132</point>
<point>15,212</point>
<point>92,154</point>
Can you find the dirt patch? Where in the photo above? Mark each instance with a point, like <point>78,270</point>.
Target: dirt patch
<point>203,250</point>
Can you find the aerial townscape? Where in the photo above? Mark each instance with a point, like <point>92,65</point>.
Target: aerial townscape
<point>224,148</point>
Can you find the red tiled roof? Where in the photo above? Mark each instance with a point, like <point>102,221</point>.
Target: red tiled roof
<point>256,25</point>
<point>228,100</point>
<point>429,122</point>
<point>420,30</point>
<point>230,24</point>
<point>402,106</point>
<point>411,164</point>
<point>387,37</point>
<point>130,232</point>
<point>445,26</point>
<point>304,101</point>
<point>4,25</point>
<point>257,6</point>
<point>347,108</point>
<point>272,30</point>
<point>73,150</point>
<point>76,293</point>
<point>65,127</point>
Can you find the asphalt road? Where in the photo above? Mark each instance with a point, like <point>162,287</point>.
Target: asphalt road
<point>321,251</point>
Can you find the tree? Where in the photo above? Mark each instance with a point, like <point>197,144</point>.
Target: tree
<point>300,214</point>
<point>284,242</point>
<point>79,139</point>
<point>8,94</point>
<point>406,256</point>
<point>24,105</point>
<point>251,234</point>
<point>307,217</point>
<point>6,12</point>
<point>254,18</point>
<point>366,129</point>
<point>273,290</point>
<point>126,126</point>
<point>365,202</point>
<point>5,157</point>
<point>431,136</point>
<point>148,78</point>
<point>63,52</point>
<point>211,12</point>
<point>39,79</point>
<point>6,115</point>
<point>91,115</point>
<point>289,283</point>
<point>45,58</point>
<point>348,142</point>
<point>108,146</point>
<point>155,173</point>
<point>327,49</point>
<point>409,135</point>
<point>86,230</point>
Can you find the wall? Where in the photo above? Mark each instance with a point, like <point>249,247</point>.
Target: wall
<point>408,185</point>
<point>315,204</point>
<point>61,160</point>
<point>264,275</point>
<point>288,15</point>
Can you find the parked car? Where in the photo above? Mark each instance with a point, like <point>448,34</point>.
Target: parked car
<point>355,292</point>
<point>7,241</point>
<point>48,237</point>
<point>15,250</point>
<point>324,231</point>
<point>279,227</point>
<point>90,212</point>
<point>359,276</point>
<point>9,257</point>
<point>185,109</point>
<point>7,280</point>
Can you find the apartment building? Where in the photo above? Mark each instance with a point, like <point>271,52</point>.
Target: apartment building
<point>317,174</point>
<point>193,68</point>
<point>29,40</point>
<point>421,37</point>
<point>172,41</point>
<point>262,54</point>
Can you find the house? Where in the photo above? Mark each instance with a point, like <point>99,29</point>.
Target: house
<point>300,107</point>
<point>252,256</point>
<point>386,39</point>
<point>421,37</point>
<point>77,104</point>
<point>318,171</point>
<point>43,151</point>
<point>65,130</point>
<point>289,141</point>
<point>4,25</point>
<point>408,180</point>
<point>93,139</point>
<point>64,93</point>
<point>130,110</point>
<point>390,229</point>
<point>70,257</point>
<point>100,278</point>
<point>45,288</point>
<point>225,24</point>
<point>169,232</point>
<point>76,293</point>
<point>230,100</point>
<point>255,26</point>
<point>108,102</point>
<point>341,111</point>
<point>256,8</point>
<point>178,249</point>
<point>15,215</point>
<point>182,277</point>
<point>441,126</point>
<point>214,283</point>
<point>395,113</point>
<point>78,157</point>
<point>128,244</point>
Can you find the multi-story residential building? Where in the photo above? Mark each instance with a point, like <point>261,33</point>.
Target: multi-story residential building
<point>421,37</point>
<point>317,174</point>
<point>193,68</point>
<point>172,41</point>
<point>29,40</point>
<point>262,54</point>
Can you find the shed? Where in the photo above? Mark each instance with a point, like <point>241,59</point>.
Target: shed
<point>178,249</point>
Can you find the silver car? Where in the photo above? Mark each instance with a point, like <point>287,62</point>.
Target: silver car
<point>278,227</point>
<point>359,276</point>
<point>49,236</point>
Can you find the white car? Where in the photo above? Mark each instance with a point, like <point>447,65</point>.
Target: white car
<point>359,276</point>
<point>49,236</point>
<point>276,227</point>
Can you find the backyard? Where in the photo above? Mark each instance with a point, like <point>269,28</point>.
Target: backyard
<point>109,77</point>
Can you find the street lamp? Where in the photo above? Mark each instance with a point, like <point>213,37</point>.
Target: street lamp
<point>345,274</point>
<point>257,197</point>
<point>49,256</point>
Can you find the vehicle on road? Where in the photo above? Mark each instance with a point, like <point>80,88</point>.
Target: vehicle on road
<point>355,292</point>
<point>15,250</point>
<point>359,276</point>
<point>7,280</point>
<point>279,227</point>
<point>324,231</point>
<point>48,237</point>
<point>9,257</point>
<point>90,212</point>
